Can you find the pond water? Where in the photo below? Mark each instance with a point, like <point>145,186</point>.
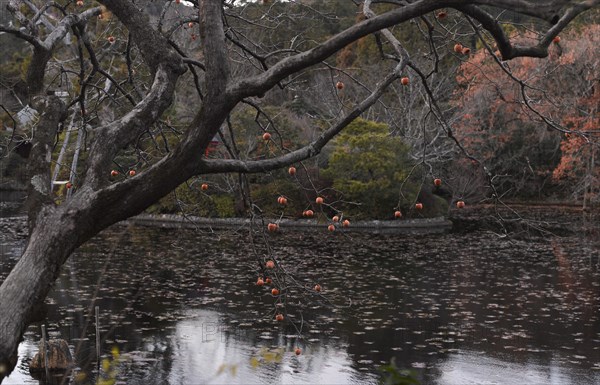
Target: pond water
<point>182,307</point>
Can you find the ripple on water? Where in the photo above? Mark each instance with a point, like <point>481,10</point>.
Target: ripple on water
<point>466,309</point>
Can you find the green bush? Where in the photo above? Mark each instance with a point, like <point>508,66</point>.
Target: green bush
<point>368,167</point>
<point>224,206</point>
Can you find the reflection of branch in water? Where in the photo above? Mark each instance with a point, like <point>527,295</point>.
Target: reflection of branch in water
<point>565,272</point>
<point>91,309</point>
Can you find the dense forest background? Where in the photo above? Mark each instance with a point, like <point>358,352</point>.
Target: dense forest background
<point>383,162</point>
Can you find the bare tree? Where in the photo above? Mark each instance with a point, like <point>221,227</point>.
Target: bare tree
<point>127,77</point>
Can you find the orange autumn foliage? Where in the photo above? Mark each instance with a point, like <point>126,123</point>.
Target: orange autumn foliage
<point>495,125</point>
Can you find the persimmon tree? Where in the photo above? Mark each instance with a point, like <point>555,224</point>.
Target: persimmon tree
<point>144,87</point>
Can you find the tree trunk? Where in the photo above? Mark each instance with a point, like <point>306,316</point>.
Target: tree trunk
<point>26,287</point>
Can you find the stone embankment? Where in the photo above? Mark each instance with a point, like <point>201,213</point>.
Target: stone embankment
<point>561,220</point>
<point>410,226</point>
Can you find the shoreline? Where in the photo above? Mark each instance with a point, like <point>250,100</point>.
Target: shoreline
<point>426,225</point>
<point>438,225</point>
<point>564,220</point>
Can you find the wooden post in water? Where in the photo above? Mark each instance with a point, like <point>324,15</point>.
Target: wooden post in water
<point>45,347</point>
<point>98,337</point>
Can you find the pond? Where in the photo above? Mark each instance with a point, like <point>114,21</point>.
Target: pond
<point>183,307</point>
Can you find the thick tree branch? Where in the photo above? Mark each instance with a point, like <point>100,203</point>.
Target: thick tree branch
<point>167,66</point>
<point>214,47</point>
<point>153,46</point>
<point>548,10</point>
<point>386,32</point>
<point>65,25</point>
<point>259,84</point>
<point>51,109</point>
<point>113,203</point>
<point>13,7</point>
<point>510,51</point>
<point>212,166</point>
<point>42,52</point>
<point>111,138</point>
<point>21,35</point>
<point>39,160</point>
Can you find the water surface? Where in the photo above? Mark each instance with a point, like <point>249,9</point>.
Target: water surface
<point>182,307</point>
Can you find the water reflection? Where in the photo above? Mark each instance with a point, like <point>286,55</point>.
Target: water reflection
<point>206,348</point>
<point>475,368</point>
<point>470,308</point>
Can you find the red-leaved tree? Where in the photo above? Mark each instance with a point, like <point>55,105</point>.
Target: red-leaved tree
<point>534,122</point>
